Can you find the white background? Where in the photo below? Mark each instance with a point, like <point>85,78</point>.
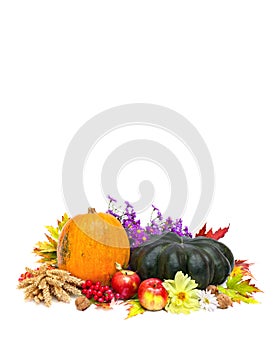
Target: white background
<point>61,63</point>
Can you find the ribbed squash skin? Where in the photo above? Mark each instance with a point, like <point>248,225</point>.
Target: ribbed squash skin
<point>90,245</point>
<point>205,260</point>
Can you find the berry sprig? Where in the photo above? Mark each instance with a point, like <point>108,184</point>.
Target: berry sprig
<point>25,275</point>
<point>28,274</point>
<point>98,293</point>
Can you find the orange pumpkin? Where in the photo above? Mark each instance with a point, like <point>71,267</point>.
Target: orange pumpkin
<point>90,245</point>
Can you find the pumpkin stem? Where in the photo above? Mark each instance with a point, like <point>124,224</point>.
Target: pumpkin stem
<point>91,210</point>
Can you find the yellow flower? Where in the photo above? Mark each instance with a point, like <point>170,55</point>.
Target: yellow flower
<point>182,294</point>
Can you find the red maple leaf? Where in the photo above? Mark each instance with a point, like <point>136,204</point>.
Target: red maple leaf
<point>242,267</point>
<point>202,231</point>
<point>210,234</point>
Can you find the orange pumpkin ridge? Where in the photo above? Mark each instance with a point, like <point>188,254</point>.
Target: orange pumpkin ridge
<point>90,245</point>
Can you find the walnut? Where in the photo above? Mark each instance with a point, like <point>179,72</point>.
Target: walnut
<point>224,301</point>
<point>213,289</point>
<point>82,303</point>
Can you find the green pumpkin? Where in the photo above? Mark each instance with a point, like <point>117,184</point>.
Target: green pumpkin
<point>205,260</point>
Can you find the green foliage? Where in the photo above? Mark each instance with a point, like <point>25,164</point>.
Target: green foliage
<point>47,250</point>
<point>240,289</point>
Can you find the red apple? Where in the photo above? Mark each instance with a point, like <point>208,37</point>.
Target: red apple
<point>125,283</point>
<point>152,295</point>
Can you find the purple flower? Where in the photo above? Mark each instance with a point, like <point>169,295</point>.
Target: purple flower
<point>157,211</point>
<point>111,199</point>
<point>157,225</point>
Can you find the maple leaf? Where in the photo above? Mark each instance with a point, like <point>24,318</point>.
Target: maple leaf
<point>240,289</point>
<point>242,267</point>
<point>220,233</point>
<point>47,250</point>
<point>61,224</point>
<point>134,308</point>
<point>202,231</point>
<point>105,306</point>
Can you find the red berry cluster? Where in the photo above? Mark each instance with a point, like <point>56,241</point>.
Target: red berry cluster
<point>25,275</point>
<point>99,293</point>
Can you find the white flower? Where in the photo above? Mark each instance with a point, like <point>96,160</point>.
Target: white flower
<point>207,300</point>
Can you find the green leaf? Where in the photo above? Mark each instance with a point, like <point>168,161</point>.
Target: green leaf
<point>242,286</point>
<point>118,266</point>
<point>61,224</point>
<point>239,289</point>
<point>53,242</point>
<point>47,250</point>
<point>54,231</point>
<point>135,308</point>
